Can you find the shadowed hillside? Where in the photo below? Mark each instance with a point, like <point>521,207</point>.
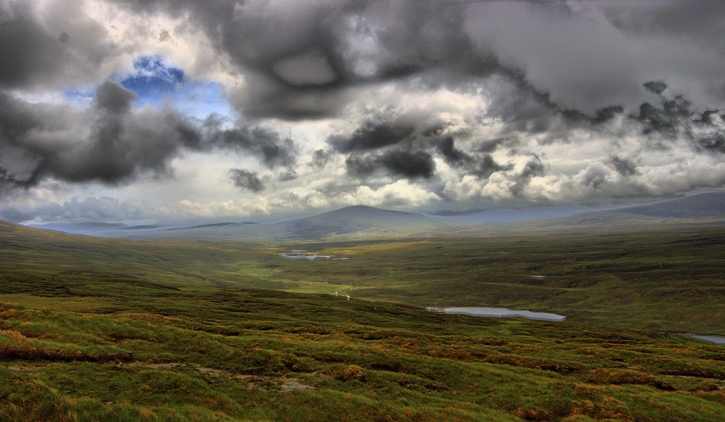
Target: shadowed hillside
<point>703,206</point>
<point>346,223</point>
<point>361,221</point>
<point>691,211</point>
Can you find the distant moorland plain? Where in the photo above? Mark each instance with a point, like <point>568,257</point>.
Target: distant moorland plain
<point>218,330</point>
<point>670,280</point>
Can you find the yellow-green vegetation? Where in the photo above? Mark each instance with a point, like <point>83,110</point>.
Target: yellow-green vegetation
<point>165,354</point>
<point>670,280</point>
<point>108,330</point>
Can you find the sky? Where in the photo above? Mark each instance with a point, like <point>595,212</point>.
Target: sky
<point>115,110</point>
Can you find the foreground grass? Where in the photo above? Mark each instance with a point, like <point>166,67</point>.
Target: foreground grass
<point>157,353</point>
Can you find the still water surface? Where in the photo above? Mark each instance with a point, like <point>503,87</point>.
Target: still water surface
<point>504,312</point>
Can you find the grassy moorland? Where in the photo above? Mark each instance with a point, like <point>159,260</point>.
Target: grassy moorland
<point>107,330</point>
<point>145,351</point>
<point>670,280</point>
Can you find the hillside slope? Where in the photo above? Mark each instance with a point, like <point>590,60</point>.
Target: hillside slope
<point>160,354</point>
<point>703,206</point>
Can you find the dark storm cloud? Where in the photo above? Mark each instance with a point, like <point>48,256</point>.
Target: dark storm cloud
<point>606,114</point>
<point>372,135</point>
<point>543,71</point>
<point>246,179</point>
<point>301,59</point>
<point>401,163</point>
<point>452,155</point>
<point>409,164</point>
<point>665,119</point>
<point>50,46</point>
<point>701,20</point>
<point>656,87</point>
<point>713,143</point>
<point>673,118</point>
<point>287,176</point>
<point>482,166</point>
<point>490,145</point>
<point>532,168</point>
<point>113,97</point>
<point>113,142</point>
<point>320,158</point>
<point>311,59</point>
<point>261,142</point>
<point>594,177</point>
<point>29,53</point>
<point>624,167</point>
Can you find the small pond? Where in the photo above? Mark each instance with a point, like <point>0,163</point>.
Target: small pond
<point>709,339</point>
<point>503,312</point>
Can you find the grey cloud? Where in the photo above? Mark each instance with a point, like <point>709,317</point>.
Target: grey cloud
<point>706,118</point>
<point>567,65</point>
<point>624,167</point>
<point>714,142</point>
<point>287,176</point>
<point>401,163</point>
<point>320,158</point>
<point>543,69</point>
<point>372,135</point>
<point>487,166</point>
<point>520,108</point>
<point>262,142</point>
<point>606,114</point>
<point>533,168</point>
<point>490,145</point>
<point>112,142</point>
<point>114,98</point>
<point>50,45</point>
<point>301,59</point>
<point>656,87</point>
<point>29,53</point>
<point>664,120</point>
<point>263,97</point>
<point>481,166</point>
<point>701,20</point>
<point>361,166</point>
<point>90,209</point>
<point>673,118</point>
<point>337,188</point>
<point>310,59</point>
<point>246,179</point>
<point>58,141</point>
<point>594,177</point>
<point>453,155</point>
<point>408,164</point>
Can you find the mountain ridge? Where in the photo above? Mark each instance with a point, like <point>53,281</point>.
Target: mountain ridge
<point>362,221</point>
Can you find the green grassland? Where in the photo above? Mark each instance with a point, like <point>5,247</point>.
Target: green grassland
<point>148,352</point>
<point>665,280</point>
<point>200,330</point>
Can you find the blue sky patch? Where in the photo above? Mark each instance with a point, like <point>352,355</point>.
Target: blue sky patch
<point>153,79</point>
<point>157,83</point>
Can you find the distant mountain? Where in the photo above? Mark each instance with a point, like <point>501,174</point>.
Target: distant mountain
<point>363,222</point>
<point>351,222</point>
<point>702,206</point>
<point>86,228</point>
<point>706,208</point>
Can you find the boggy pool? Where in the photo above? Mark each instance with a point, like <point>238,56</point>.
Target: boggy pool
<point>502,312</point>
